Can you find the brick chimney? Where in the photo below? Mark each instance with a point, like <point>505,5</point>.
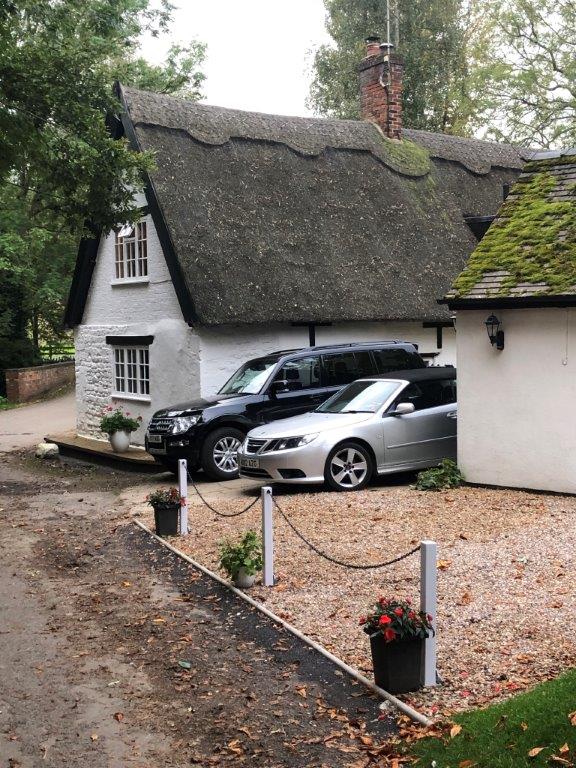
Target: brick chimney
<point>381,87</point>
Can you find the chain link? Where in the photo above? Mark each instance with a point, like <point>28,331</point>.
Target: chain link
<point>213,509</point>
<point>333,559</point>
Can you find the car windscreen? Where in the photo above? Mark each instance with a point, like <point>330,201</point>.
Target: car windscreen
<point>250,378</point>
<point>360,397</point>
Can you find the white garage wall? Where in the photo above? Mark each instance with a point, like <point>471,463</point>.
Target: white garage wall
<point>516,408</point>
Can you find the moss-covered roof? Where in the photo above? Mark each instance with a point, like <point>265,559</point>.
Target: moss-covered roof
<point>530,248</point>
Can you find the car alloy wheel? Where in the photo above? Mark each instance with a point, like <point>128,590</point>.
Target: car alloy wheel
<point>225,454</point>
<point>349,467</point>
<point>218,455</point>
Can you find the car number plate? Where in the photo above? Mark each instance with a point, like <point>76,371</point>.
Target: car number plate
<point>249,463</point>
<point>154,438</point>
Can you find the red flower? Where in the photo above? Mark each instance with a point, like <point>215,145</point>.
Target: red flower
<point>362,620</point>
<point>389,635</point>
<point>398,611</point>
<point>429,617</point>
<point>384,620</point>
<point>412,615</point>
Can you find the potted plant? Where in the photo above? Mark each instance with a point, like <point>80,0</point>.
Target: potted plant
<point>397,633</point>
<point>243,559</point>
<point>118,426</point>
<point>166,503</point>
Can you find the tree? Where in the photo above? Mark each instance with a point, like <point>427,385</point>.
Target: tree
<point>60,167</point>
<point>434,37</point>
<point>530,84</point>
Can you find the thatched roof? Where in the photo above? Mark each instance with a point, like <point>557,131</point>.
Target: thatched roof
<point>529,250</point>
<point>289,219</point>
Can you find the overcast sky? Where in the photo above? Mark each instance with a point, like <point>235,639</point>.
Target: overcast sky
<point>258,50</point>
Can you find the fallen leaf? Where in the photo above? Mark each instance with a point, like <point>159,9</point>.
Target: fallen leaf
<point>93,737</point>
<point>185,664</point>
<point>301,691</point>
<point>524,726</point>
<point>455,730</point>
<point>466,764</point>
<point>119,716</point>
<point>443,564</point>
<point>535,751</point>
<point>572,718</point>
<point>126,583</point>
<point>563,749</point>
<point>466,599</point>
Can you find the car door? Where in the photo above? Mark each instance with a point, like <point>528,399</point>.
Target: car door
<point>427,435</point>
<point>304,391</point>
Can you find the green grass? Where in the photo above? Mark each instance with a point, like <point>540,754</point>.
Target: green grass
<point>497,737</point>
<point>5,405</point>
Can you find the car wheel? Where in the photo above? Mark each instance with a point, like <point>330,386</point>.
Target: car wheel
<point>348,467</point>
<point>219,453</point>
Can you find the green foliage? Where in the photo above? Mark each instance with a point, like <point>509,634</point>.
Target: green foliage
<point>4,404</point>
<point>437,40</point>
<point>245,553</point>
<point>60,166</point>
<point>164,496</point>
<point>397,620</point>
<point>530,75</point>
<point>115,420</point>
<point>503,735</point>
<point>446,475</point>
<point>534,239</point>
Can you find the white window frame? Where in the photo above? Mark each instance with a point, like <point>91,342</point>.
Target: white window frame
<point>131,255</point>
<point>131,372</point>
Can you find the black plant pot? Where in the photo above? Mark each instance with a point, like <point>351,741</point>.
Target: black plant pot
<point>398,664</point>
<point>166,517</point>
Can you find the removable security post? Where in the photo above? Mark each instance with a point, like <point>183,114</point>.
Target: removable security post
<point>428,572</point>
<point>267,537</point>
<point>183,490</point>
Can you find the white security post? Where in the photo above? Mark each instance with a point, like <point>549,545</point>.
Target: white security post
<point>183,490</point>
<point>428,558</point>
<point>267,537</point>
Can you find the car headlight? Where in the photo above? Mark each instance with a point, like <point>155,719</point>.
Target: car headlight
<point>285,443</point>
<point>183,423</point>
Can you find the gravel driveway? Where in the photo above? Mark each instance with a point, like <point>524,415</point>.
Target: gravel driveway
<point>506,558</point>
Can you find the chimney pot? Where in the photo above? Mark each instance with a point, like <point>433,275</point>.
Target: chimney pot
<point>372,46</point>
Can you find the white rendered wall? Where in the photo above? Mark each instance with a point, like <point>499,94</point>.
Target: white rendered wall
<point>133,310</point>
<point>224,349</point>
<point>516,408</point>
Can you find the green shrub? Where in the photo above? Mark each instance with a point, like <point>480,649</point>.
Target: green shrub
<point>245,553</point>
<point>446,475</point>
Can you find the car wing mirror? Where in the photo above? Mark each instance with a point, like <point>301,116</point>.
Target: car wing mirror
<point>277,387</point>
<point>402,409</point>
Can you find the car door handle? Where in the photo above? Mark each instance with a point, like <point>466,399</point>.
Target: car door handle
<point>452,415</point>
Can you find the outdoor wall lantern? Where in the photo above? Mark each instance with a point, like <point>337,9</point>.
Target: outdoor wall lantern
<point>495,335</point>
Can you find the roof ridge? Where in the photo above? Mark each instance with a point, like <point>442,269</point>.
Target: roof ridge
<point>310,136</point>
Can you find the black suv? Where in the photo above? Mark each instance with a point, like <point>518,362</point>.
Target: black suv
<point>209,432</point>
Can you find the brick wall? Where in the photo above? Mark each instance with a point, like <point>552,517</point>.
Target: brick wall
<point>382,105</point>
<point>24,384</point>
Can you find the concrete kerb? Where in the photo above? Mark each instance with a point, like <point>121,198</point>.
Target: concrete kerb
<point>354,673</point>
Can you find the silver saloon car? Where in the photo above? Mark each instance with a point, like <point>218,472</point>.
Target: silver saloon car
<point>374,426</point>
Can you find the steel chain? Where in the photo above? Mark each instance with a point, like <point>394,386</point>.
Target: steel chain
<point>333,559</point>
<point>216,512</point>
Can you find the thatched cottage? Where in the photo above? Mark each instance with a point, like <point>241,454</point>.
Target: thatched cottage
<point>262,232</point>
